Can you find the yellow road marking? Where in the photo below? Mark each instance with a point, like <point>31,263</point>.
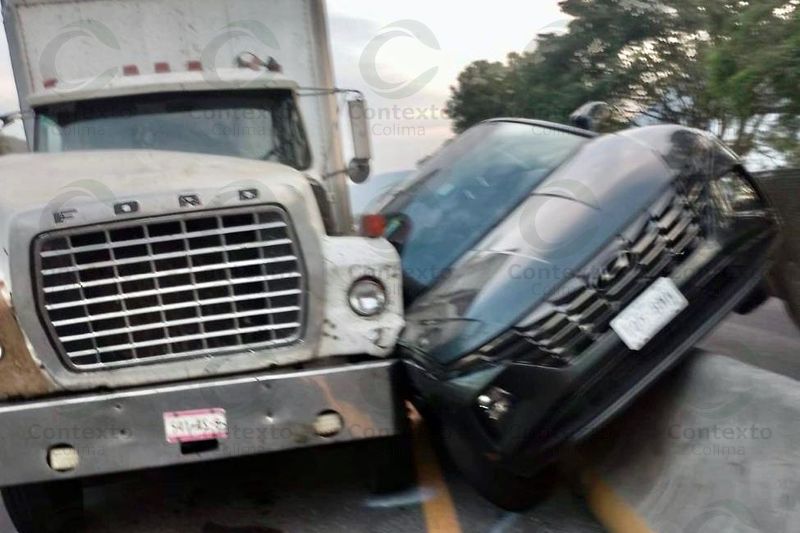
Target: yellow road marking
<point>439,510</point>
<point>611,510</point>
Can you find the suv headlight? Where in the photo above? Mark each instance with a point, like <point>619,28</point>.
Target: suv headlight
<point>736,196</point>
<point>367,297</point>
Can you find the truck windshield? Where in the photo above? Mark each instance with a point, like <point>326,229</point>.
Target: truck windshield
<point>261,125</point>
<point>465,190</point>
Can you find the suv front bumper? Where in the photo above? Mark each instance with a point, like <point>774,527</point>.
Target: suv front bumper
<point>553,406</point>
<point>124,431</point>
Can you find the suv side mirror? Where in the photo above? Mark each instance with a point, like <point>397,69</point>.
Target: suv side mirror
<point>591,116</point>
<point>358,169</point>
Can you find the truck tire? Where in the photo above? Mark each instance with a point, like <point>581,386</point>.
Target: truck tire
<point>55,507</point>
<point>392,464</point>
<point>501,487</point>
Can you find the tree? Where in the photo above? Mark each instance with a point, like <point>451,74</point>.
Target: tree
<point>481,95</point>
<point>727,66</point>
<point>754,76</point>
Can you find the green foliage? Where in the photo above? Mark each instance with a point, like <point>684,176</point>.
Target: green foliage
<point>481,94</point>
<point>728,66</point>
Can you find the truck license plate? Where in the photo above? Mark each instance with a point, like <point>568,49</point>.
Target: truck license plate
<point>648,314</point>
<point>199,424</point>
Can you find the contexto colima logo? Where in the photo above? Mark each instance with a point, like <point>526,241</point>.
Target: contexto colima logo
<point>547,204</point>
<point>558,27</point>
<point>408,85</point>
<point>242,36</point>
<point>65,46</point>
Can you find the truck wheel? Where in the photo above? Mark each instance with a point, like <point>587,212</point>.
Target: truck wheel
<point>392,464</point>
<point>55,507</point>
<point>501,487</point>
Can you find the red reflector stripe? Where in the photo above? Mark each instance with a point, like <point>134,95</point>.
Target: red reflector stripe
<point>130,70</point>
<point>194,65</point>
<point>49,84</point>
<point>373,225</point>
<point>161,68</point>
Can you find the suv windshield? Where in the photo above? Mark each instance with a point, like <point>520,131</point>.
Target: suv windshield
<point>465,190</point>
<point>262,125</point>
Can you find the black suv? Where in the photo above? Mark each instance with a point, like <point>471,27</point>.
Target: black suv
<point>551,274</point>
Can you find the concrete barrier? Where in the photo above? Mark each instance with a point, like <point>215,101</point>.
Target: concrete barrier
<point>782,187</point>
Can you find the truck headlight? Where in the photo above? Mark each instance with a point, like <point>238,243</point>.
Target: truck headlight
<point>737,197</point>
<point>367,297</point>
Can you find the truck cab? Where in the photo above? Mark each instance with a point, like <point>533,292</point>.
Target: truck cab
<point>180,278</point>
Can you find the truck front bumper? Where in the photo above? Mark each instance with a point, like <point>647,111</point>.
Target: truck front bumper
<point>123,431</point>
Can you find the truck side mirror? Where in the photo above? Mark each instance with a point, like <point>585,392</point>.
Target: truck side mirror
<point>358,169</point>
<point>591,116</point>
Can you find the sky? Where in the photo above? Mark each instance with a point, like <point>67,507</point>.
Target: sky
<point>404,56</point>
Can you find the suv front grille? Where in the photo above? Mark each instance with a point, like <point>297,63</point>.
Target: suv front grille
<point>175,287</point>
<point>581,310</point>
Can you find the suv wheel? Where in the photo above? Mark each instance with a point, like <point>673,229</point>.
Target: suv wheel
<point>503,488</point>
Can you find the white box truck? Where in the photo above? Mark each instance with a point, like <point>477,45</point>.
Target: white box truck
<point>179,278</point>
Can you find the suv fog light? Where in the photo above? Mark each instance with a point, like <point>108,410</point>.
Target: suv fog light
<point>495,403</point>
<point>63,458</point>
<point>367,297</point>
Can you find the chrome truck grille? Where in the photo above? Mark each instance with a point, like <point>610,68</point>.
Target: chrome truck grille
<point>580,312</point>
<point>165,288</point>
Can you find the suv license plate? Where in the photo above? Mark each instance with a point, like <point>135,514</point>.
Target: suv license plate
<point>648,314</point>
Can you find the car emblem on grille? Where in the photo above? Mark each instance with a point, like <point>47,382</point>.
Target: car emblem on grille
<point>189,200</point>
<point>624,261</point>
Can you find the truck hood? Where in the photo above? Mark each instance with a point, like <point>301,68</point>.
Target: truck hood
<point>59,187</point>
<point>566,222</point>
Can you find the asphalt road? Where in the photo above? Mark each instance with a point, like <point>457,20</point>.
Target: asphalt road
<point>323,490</point>
<point>320,491</point>
<point>715,446</point>
<point>766,338</point>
